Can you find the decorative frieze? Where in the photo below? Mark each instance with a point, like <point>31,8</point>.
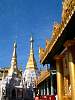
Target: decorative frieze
<point>41,52</point>
<point>68,7</point>
<point>47,43</point>
<point>56,29</point>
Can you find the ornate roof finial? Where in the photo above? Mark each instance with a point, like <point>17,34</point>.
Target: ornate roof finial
<point>15,45</point>
<point>31,43</point>
<point>14,51</point>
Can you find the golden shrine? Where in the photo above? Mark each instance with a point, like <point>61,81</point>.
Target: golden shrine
<point>60,52</point>
<point>8,71</point>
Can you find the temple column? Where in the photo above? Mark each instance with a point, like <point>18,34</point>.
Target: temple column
<point>38,91</point>
<point>70,44</point>
<point>41,91</point>
<point>33,93</point>
<point>44,89</point>
<point>52,89</point>
<point>59,72</point>
<point>47,88</point>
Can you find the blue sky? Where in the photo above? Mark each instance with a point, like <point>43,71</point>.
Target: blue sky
<point>21,18</point>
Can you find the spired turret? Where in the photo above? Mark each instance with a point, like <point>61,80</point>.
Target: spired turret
<point>31,71</point>
<point>13,67</point>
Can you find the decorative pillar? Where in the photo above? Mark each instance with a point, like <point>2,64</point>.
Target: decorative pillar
<point>66,74</point>
<point>47,88</point>
<point>52,89</point>
<point>70,44</point>
<point>59,72</point>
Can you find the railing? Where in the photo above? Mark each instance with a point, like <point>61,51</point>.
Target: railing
<point>46,97</point>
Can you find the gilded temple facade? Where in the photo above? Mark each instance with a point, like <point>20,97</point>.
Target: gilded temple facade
<point>8,71</point>
<point>60,52</point>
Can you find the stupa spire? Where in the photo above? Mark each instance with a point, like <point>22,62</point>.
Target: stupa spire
<point>14,57</point>
<point>31,61</point>
<point>13,67</point>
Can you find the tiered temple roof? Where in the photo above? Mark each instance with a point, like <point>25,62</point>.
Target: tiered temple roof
<point>43,75</point>
<point>67,13</point>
